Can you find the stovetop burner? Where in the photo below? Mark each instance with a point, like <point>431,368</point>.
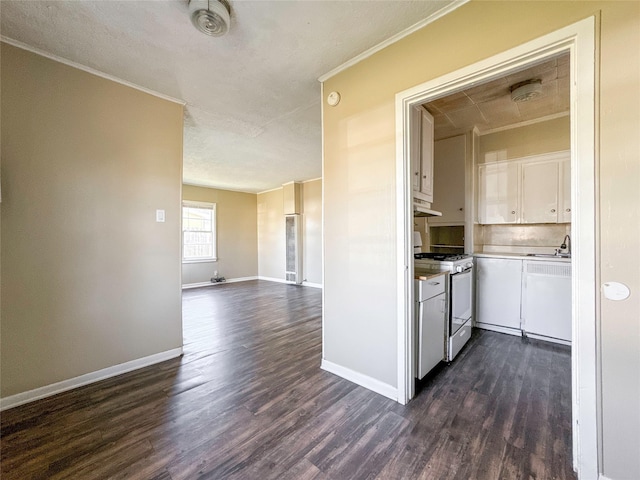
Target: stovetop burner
<point>443,257</point>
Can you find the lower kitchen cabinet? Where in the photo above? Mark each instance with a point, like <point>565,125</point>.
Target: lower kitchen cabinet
<point>524,297</point>
<point>498,294</point>
<point>431,317</point>
<point>546,300</point>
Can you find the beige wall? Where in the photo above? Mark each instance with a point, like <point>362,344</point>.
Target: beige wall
<point>271,238</point>
<point>360,311</point>
<point>543,137</point>
<point>237,235</point>
<point>271,247</point>
<point>312,231</point>
<point>89,279</point>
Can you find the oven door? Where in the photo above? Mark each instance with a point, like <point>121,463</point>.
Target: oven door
<point>460,300</point>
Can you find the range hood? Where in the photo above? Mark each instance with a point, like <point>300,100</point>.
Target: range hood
<point>421,210</point>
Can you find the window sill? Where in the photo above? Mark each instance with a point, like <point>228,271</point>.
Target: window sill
<point>202,260</point>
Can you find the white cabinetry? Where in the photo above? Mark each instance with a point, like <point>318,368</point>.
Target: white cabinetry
<point>498,193</point>
<point>431,311</point>
<point>546,300</point>
<point>421,152</point>
<point>529,190</point>
<point>531,297</point>
<point>498,294</point>
<point>564,215</point>
<point>539,192</point>
<point>449,184</point>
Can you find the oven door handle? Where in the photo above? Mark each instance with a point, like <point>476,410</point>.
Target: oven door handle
<point>466,270</point>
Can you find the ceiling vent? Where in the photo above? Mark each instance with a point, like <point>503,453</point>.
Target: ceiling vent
<point>211,17</point>
<point>525,91</point>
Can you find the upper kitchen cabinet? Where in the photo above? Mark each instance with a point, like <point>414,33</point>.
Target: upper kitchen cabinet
<point>564,215</point>
<point>449,172</point>
<point>498,187</point>
<point>540,192</point>
<point>421,151</point>
<point>529,190</point>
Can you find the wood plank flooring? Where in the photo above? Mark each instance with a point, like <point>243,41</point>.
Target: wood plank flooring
<point>249,401</point>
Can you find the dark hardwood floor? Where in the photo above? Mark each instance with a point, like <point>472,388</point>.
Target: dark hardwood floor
<point>249,401</point>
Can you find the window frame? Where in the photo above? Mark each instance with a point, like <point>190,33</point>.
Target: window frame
<point>214,221</point>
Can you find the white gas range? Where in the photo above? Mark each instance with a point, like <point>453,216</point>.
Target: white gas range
<point>460,268</point>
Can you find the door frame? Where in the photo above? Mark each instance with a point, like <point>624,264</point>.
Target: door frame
<point>579,39</point>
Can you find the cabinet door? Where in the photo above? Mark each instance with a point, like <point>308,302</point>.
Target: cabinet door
<point>415,142</point>
<point>498,291</point>
<point>449,179</point>
<point>564,215</point>
<point>540,192</point>
<point>546,300</point>
<point>431,333</point>
<point>498,193</point>
<point>426,159</point>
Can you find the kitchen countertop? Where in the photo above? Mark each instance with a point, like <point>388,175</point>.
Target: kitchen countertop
<point>520,256</point>
<point>422,274</point>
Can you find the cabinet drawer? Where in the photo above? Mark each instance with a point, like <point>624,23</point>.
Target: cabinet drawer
<point>459,340</point>
<point>430,288</point>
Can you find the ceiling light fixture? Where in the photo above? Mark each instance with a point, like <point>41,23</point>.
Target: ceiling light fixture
<point>525,91</point>
<point>211,17</point>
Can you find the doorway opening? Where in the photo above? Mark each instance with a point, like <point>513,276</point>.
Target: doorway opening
<point>578,40</point>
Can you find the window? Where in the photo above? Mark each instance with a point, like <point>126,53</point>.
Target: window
<point>198,232</point>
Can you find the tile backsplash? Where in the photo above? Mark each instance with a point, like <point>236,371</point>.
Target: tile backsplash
<point>533,238</point>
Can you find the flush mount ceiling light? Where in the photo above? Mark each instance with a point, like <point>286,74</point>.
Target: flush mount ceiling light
<point>211,17</point>
<point>525,91</point>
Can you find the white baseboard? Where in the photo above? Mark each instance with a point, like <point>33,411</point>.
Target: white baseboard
<point>518,333</point>
<point>365,381</point>
<point>272,279</point>
<point>63,386</point>
<point>548,339</point>
<point>282,280</point>
<point>210,284</point>
<point>602,477</point>
<point>496,328</point>
<point>245,279</point>
<point>196,285</point>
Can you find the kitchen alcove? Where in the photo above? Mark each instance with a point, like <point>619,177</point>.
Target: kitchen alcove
<point>446,239</point>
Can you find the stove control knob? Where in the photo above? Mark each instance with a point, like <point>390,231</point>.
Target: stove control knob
<point>469,265</point>
<point>459,268</point>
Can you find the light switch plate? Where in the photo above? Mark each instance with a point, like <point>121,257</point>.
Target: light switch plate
<point>160,216</point>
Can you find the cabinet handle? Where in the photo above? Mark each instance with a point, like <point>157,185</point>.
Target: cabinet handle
<point>553,210</point>
<point>434,283</point>
<point>424,176</point>
<point>513,212</point>
<point>568,210</point>
<point>461,209</point>
<point>417,173</point>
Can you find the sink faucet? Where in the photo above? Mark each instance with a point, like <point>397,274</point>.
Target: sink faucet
<point>566,245</point>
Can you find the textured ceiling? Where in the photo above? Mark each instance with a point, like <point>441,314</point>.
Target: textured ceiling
<point>252,116</point>
<point>489,106</point>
